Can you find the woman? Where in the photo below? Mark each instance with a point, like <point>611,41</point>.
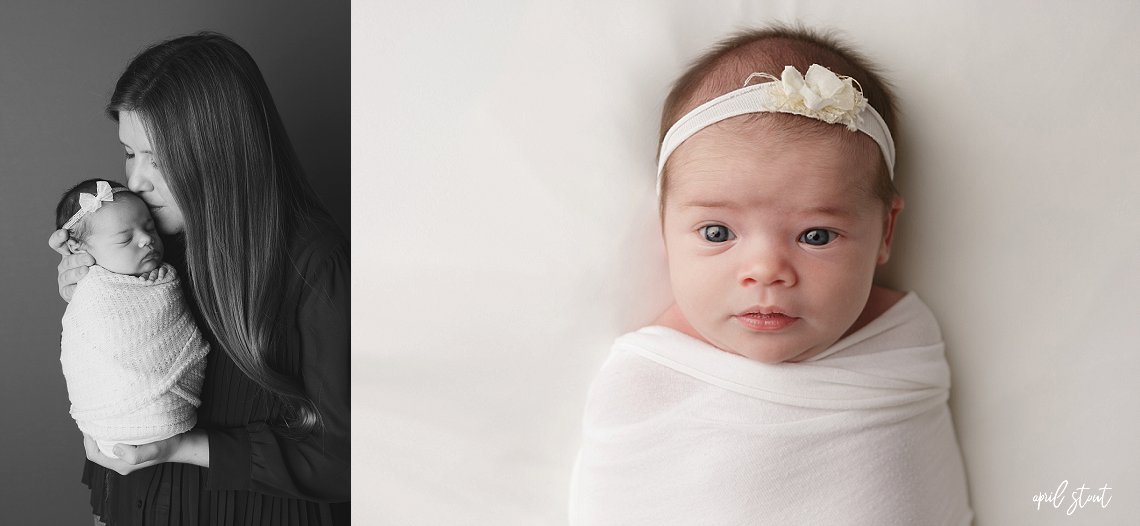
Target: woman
<point>267,272</point>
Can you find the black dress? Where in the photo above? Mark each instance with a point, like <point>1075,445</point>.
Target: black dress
<point>257,476</point>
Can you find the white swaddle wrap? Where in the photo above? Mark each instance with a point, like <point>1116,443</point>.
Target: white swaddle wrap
<point>679,432</point>
<point>133,358</point>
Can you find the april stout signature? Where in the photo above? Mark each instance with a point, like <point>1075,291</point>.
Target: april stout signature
<point>1077,499</point>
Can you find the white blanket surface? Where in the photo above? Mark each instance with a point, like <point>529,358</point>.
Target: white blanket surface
<point>133,358</point>
<point>679,432</point>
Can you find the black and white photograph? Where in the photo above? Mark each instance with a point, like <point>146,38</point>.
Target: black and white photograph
<point>183,170</point>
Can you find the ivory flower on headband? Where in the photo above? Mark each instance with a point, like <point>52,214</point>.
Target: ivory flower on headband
<point>820,94</point>
<point>89,203</point>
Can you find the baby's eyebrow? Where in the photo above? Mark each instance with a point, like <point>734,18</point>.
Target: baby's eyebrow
<point>831,211</point>
<point>710,204</point>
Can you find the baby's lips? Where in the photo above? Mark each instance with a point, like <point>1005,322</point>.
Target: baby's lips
<point>762,311</point>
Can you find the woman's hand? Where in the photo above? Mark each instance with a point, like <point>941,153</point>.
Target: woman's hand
<point>191,447</point>
<point>72,267</point>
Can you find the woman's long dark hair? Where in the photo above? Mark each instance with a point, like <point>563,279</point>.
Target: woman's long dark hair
<point>223,151</point>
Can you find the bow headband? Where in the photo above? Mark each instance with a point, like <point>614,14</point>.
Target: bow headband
<point>821,95</point>
<point>89,203</point>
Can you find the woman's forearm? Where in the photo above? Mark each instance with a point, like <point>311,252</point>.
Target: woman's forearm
<point>193,448</point>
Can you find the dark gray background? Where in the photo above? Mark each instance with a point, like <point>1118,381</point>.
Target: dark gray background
<point>58,64</point>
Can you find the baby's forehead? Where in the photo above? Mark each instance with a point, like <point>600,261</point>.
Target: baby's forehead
<point>737,162</point>
<point>126,210</point>
<point>790,203</point>
<point>710,189</point>
<point>765,140</point>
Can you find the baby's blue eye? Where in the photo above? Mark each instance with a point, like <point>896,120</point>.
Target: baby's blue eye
<point>129,155</point>
<point>818,237</point>
<point>716,233</point>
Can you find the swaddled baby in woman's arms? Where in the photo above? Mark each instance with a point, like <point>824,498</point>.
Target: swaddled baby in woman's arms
<point>132,355</point>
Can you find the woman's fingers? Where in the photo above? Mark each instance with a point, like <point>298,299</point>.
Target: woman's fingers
<point>142,455</point>
<point>130,457</point>
<point>72,268</point>
<point>74,261</point>
<point>135,455</point>
<point>58,241</point>
<point>89,447</point>
<point>96,456</point>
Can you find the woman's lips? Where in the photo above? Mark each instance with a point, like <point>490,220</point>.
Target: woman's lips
<point>773,321</point>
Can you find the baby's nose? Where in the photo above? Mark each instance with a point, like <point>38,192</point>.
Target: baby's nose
<point>767,265</point>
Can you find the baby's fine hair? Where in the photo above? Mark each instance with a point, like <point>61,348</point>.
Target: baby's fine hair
<point>69,205</point>
<point>767,50</point>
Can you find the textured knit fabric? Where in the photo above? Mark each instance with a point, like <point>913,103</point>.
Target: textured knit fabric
<point>133,358</point>
<point>258,476</point>
<point>679,432</point>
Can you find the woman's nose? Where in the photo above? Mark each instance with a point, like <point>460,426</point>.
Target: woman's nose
<point>767,264</point>
<point>138,176</point>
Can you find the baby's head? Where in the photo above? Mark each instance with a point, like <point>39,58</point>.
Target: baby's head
<point>773,222</point>
<point>111,223</point>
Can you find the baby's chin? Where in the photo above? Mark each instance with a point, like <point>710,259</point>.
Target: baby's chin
<point>768,354</point>
<point>147,266</point>
<point>770,349</point>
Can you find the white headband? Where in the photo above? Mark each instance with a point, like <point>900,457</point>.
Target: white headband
<point>89,203</point>
<point>821,95</point>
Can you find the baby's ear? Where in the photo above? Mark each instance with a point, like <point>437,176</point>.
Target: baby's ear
<point>75,247</point>
<point>897,205</point>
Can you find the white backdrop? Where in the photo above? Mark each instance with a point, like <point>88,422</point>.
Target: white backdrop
<point>505,232</point>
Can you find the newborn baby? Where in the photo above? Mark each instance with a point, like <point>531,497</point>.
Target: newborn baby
<point>784,387</point>
<point>131,353</point>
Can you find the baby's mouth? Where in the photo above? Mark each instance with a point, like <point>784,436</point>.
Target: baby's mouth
<point>765,318</point>
<point>764,312</point>
<point>768,320</point>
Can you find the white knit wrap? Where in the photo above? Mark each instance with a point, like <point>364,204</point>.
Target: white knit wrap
<point>133,358</point>
<point>677,432</point>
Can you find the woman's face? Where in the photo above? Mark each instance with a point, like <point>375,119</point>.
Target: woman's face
<point>144,177</point>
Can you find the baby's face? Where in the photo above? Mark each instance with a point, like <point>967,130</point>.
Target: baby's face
<point>121,236</point>
<point>772,239</point>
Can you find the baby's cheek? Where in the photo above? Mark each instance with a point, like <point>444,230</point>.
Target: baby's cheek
<point>698,287</point>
